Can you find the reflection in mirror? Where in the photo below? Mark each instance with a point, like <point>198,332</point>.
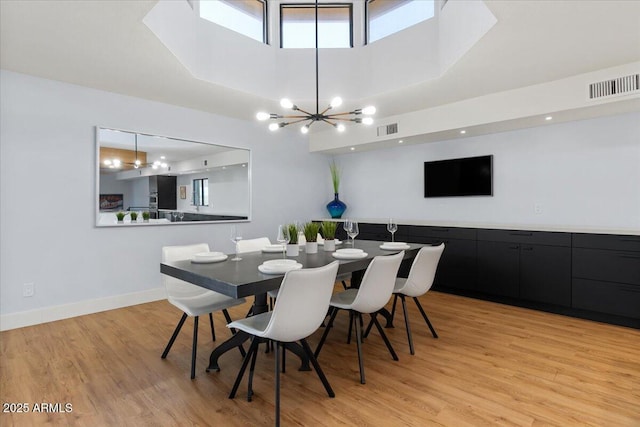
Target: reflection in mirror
<point>168,180</point>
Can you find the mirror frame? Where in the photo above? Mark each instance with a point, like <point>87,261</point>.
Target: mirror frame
<point>96,197</point>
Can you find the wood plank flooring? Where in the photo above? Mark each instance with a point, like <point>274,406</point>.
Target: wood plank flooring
<point>492,365</point>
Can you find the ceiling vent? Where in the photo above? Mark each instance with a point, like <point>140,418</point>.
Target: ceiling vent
<point>618,86</point>
<point>388,129</point>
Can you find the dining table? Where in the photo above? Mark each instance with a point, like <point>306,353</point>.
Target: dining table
<point>238,279</point>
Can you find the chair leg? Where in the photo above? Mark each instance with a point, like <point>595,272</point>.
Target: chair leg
<point>250,312</point>
<point>213,332</point>
<point>393,307</point>
<point>426,319</point>
<point>233,330</point>
<point>251,369</point>
<point>344,285</point>
<point>406,323</point>
<point>316,366</point>
<point>173,337</point>
<point>326,332</point>
<point>350,327</point>
<point>284,353</point>
<point>369,326</point>
<point>195,347</point>
<point>384,336</point>
<point>243,368</point>
<point>359,342</point>
<point>277,381</point>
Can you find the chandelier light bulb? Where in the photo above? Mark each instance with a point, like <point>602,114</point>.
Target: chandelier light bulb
<point>286,103</point>
<point>107,162</point>
<point>304,129</point>
<point>367,120</point>
<point>116,163</point>
<point>164,165</point>
<point>274,126</point>
<point>370,110</point>
<point>262,116</point>
<point>336,102</point>
<point>340,127</point>
<point>137,162</point>
<point>154,166</point>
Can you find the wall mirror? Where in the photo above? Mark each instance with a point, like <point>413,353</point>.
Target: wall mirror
<point>147,179</point>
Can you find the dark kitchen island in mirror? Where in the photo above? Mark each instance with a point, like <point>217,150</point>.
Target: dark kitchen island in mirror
<point>172,180</point>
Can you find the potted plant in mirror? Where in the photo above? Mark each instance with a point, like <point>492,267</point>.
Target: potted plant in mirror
<point>311,236</point>
<point>120,216</point>
<point>145,216</point>
<point>292,247</point>
<point>335,207</point>
<point>134,216</point>
<point>329,234</point>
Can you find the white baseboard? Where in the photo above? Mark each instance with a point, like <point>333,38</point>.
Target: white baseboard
<point>59,312</point>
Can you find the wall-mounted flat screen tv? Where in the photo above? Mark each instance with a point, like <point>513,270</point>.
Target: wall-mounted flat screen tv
<point>470,176</point>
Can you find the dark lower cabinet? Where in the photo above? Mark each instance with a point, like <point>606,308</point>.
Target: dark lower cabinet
<point>457,269</point>
<point>545,274</point>
<point>499,268</point>
<point>619,299</point>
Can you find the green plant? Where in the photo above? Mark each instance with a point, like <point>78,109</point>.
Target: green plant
<point>292,232</point>
<point>329,229</point>
<point>335,175</point>
<point>311,231</point>
<point>120,216</point>
<point>134,216</point>
<point>145,215</point>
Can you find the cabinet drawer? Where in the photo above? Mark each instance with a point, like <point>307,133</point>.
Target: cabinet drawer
<point>607,241</point>
<point>442,233</point>
<point>606,297</point>
<point>531,237</point>
<point>606,265</point>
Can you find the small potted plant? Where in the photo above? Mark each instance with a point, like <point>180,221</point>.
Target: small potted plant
<point>311,236</point>
<point>134,216</point>
<point>292,247</point>
<point>329,234</point>
<point>120,215</point>
<point>145,216</point>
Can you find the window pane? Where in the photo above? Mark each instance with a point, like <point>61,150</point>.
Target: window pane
<point>386,17</point>
<point>242,16</point>
<point>298,26</point>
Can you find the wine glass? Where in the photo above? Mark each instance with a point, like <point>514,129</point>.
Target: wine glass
<point>346,226</point>
<point>282,238</point>
<point>235,238</point>
<point>353,232</point>
<point>181,215</point>
<point>392,227</point>
<point>174,214</point>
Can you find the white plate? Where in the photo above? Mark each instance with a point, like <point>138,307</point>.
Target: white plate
<point>273,248</point>
<point>278,268</point>
<point>340,255</point>
<point>395,247</point>
<point>350,251</point>
<point>283,261</point>
<point>201,259</point>
<point>338,242</point>
<point>395,244</point>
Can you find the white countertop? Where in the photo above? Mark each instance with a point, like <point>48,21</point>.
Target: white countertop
<point>526,227</point>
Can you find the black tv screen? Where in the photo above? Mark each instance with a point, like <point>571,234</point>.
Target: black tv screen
<point>470,176</point>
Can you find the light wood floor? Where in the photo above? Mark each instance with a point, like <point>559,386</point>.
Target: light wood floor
<point>492,365</point>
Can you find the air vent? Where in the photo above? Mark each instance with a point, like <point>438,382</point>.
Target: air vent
<point>617,86</point>
<point>388,129</point>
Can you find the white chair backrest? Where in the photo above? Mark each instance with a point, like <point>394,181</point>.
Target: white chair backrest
<point>177,288</point>
<point>253,245</point>
<point>378,283</point>
<point>423,271</point>
<point>302,304</point>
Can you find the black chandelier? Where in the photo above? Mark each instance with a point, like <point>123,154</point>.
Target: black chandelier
<point>334,119</point>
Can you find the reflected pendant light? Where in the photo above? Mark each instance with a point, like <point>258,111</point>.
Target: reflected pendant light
<point>334,119</point>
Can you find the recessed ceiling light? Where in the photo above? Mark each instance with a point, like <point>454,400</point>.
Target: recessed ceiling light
<point>548,118</point>
<point>401,141</point>
<point>463,132</point>
<point>162,157</point>
<point>353,148</point>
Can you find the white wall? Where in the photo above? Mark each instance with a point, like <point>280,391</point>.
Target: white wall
<point>583,174</point>
<point>227,191</point>
<point>47,197</point>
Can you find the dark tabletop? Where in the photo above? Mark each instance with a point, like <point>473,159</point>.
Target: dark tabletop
<point>242,278</point>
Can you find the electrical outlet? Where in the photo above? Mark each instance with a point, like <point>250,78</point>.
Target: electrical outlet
<point>537,208</point>
<point>28,289</point>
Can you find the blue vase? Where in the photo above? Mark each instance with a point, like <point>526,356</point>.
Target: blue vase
<point>336,207</point>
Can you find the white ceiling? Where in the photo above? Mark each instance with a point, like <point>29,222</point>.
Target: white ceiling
<point>103,44</point>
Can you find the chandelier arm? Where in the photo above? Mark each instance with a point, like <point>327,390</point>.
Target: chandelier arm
<point>292,117</point>
<point>326,120</point>
<point>325,110</point>
<point>342,114</point>
<point>296,121</point>
<point>340,118</point>
<point>306,112</point>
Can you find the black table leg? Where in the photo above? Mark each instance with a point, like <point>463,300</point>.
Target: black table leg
<point>297,349</point>
<point>236,340</point>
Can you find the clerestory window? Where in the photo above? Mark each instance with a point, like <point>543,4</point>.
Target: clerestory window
<point>386,17</point>
<point>298,25</point>
<point>246,17</point>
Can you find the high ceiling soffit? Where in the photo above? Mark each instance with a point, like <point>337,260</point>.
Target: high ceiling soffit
<point>417,54</point>
<point>105,44</point>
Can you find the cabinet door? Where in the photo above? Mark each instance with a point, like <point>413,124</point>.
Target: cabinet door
<point>457,267</point>
<point>167,194</point>
<point>545,274</point>
<point>498,268</point>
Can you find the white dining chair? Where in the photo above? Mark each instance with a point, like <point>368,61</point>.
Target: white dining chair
<point>374,292</point>
<point>193,300</point>
<point>301,306</point>
<point>253,245</point>
<point>420,280</point>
